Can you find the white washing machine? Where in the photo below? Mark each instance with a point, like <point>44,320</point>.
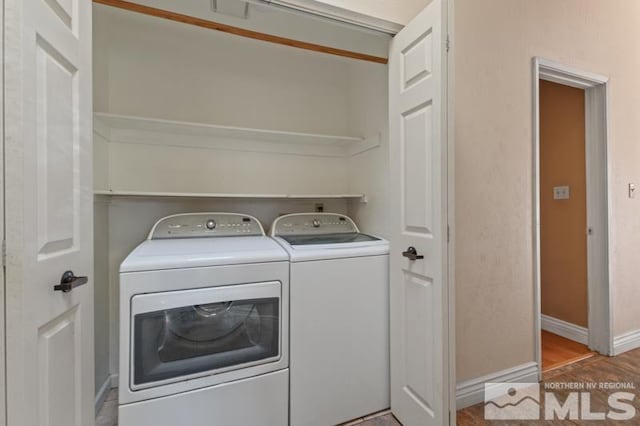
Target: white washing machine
<point>339,342</point>
<point>204,306</point>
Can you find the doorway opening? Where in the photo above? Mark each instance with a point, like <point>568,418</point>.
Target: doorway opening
<point>571,235</point>
<point>563,221</point>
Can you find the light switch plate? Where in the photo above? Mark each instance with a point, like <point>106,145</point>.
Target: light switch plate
<point>632,190</point>
<point>561,192</point>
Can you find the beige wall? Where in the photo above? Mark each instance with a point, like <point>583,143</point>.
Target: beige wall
<point>151,67</point>
<point>369,170</point>
<point>101,291</point>
<point>495,41</point>
<point>563,240</point>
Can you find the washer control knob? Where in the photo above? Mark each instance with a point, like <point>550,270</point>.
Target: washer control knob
<point>316,223</point>
<point>211,224</point>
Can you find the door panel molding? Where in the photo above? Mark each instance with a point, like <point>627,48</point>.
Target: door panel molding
<point>48,212</point>
<point>422,375</point>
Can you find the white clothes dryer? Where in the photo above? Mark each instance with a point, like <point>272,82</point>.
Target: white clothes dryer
<point>204,330</point>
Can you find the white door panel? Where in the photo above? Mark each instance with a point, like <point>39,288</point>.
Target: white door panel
<point>419,380</point>
<point>49,210</point>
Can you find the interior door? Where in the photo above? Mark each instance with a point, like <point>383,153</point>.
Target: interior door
<point>49,211</point>
<point>419,333</point>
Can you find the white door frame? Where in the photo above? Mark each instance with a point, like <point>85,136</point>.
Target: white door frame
<point>449,135</point>
<point>3,367</point>
<point>598,203</point>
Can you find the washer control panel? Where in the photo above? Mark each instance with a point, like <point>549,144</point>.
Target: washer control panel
<point>313,224</point>
<point>192,225</point>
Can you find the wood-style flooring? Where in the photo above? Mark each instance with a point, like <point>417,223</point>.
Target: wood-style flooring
<point>595,369</point>
<point>558,351</point>
<point>624,368</point>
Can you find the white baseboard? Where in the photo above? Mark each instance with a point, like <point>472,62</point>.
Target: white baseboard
<point>471,392</point>
<point>565,329</point>
<point>102,393</point>
<point>626,342</point>
<point>114,380</point>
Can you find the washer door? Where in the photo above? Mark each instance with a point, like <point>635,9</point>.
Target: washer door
<point>185,334</point>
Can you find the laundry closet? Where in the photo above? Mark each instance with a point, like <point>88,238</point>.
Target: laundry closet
<point>120,115</point>
<point>188,119</point>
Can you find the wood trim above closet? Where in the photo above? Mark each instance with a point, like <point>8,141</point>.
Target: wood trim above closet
<point>198,22</point>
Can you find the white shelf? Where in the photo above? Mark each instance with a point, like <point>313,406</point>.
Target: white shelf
<point>225,195</point>
<point>120,132</point>
<point>133,123</point>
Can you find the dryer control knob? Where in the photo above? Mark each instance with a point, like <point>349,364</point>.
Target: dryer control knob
<point>316,223</point>
<point>211,224</point>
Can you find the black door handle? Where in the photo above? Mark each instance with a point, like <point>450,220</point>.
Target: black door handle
<point>412,254</point>
<point>69,281</point>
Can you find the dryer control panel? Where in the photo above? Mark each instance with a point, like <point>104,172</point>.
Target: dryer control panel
<point>313,224</point>
<point>194,225</point>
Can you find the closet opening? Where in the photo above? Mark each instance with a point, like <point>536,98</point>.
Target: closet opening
<point>190,120</point>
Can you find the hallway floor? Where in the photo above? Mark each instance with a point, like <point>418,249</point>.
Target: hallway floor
<point>558,351</point>
<point>623,368</point>
<point>598,369</point>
